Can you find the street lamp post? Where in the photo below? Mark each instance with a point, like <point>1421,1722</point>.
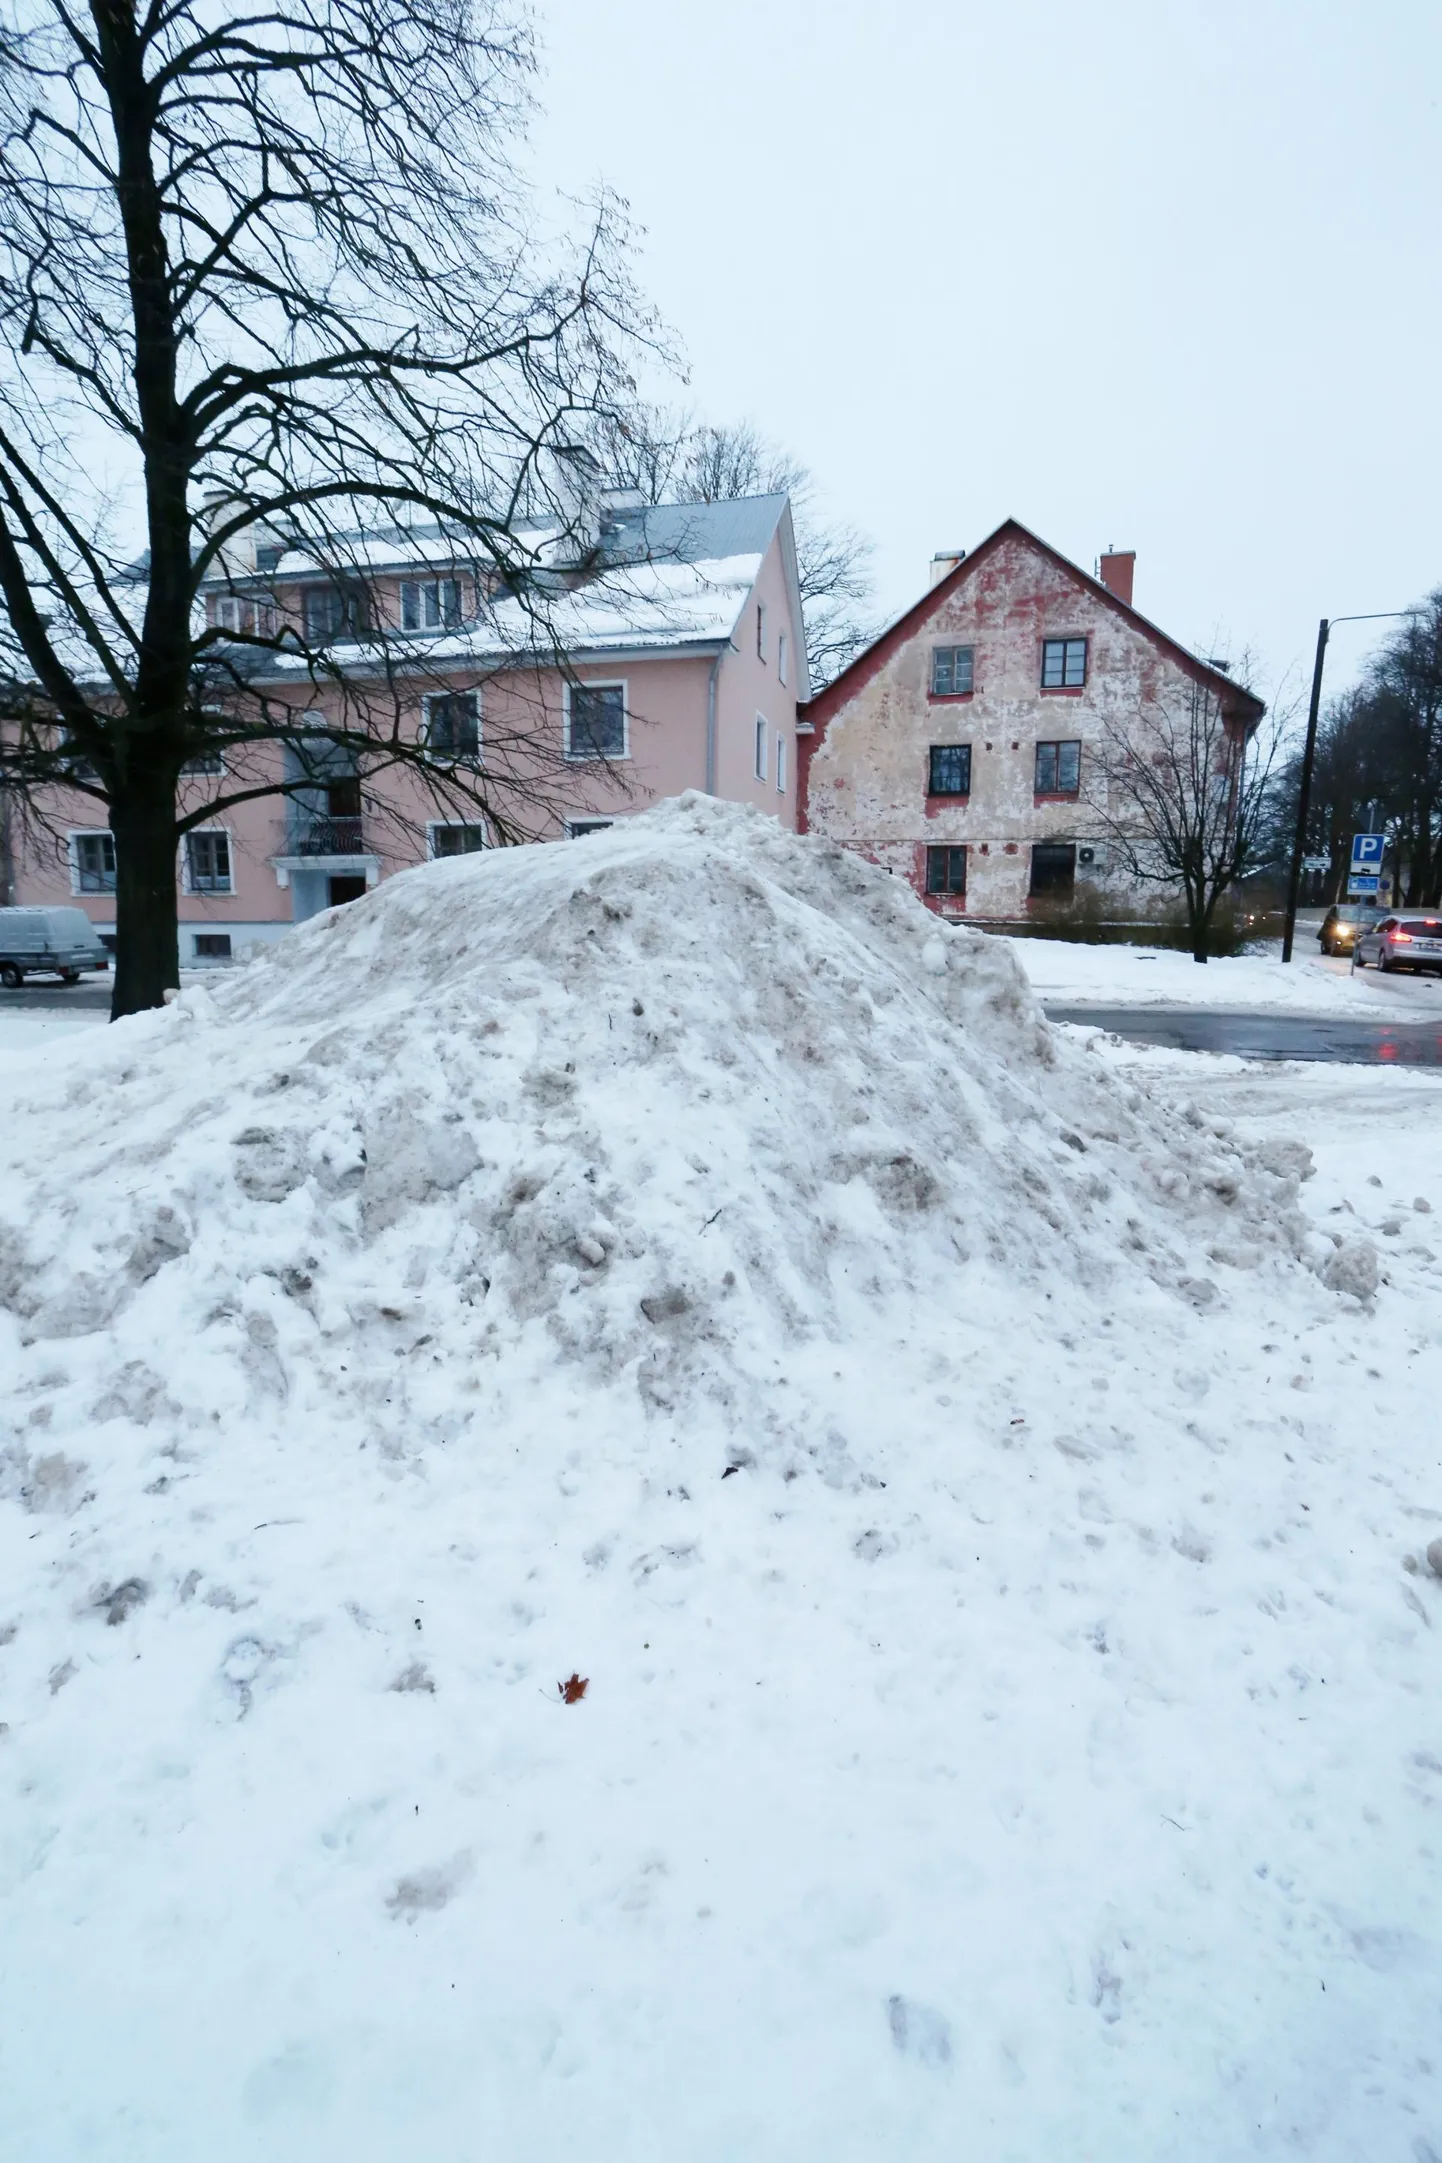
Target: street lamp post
<point>1309,757</point>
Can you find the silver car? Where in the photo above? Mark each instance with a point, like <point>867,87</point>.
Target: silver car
<point>1401,942</point>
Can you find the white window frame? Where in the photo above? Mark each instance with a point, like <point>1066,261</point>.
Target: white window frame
<point>781,765</point>
<point>596,758</point>
<point>76,835</point>
<point>763,739</point>
<point>781,656</point>
<point>454,758</point>
<point>436,826</point>
<point>204,893</point>
<point>577,829</point>
<point>196,935</point>
<point>253,614</point>
<point>424,587</point>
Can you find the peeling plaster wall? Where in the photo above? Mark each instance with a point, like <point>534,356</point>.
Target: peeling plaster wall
<point>867,767</point>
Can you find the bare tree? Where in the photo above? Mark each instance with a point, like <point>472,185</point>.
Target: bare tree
<point>266,270</point>
<point>1183,796</point>
<point>673,456</point>
<point>1379,764</point>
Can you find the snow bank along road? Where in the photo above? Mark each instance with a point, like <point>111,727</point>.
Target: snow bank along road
<point>1253,1034</point>
<point>985,1492</point>
<point>1068,974</point>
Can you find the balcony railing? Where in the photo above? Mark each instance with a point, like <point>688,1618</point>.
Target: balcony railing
<point>323,837</point>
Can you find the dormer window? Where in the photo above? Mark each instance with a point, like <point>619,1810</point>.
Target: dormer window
<point>430,604</point>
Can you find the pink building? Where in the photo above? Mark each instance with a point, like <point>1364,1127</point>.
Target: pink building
<point>685,657</point>
<point>962,747</point>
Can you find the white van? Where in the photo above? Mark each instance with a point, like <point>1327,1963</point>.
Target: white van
<point>47,942</point>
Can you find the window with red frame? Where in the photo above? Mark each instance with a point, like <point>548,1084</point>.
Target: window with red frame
<point>946,871</point>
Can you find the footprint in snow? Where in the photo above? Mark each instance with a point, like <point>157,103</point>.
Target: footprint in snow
<point>918,2031</point>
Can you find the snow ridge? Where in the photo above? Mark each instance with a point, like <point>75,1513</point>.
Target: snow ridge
<point>673,1260</point>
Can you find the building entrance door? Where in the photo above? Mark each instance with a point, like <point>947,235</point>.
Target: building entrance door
<point>345,887</point>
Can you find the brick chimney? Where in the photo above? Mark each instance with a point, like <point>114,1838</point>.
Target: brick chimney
<point>1118,567</point>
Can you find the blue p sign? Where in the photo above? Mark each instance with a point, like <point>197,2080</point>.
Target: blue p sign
<point>1368,851</point>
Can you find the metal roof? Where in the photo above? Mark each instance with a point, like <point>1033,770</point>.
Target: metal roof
<point>691,532</point>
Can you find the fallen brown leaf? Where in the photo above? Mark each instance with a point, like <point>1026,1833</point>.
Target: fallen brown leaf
<point>574,1690</point>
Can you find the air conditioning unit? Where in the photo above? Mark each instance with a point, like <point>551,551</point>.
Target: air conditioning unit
<point>1091,856</point>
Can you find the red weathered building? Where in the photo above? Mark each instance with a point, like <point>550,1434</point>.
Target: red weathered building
<point>958,748</point>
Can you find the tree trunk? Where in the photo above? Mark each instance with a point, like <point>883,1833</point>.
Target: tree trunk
<point>147,935</point>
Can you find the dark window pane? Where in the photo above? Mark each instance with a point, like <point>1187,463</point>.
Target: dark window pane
<point>324,611</point>
<point>209,863</point>
<point>950,770</point>
<point>1053,663</point>
<point>1076,662</point>
<point>946,871</point>
<point>454,728</point>
<point>598,722</point>
<point>1045,784</point>
<point>457,840</point>
<point>1068,776</point>
<point>1053,867</point>
<point>331,610</point>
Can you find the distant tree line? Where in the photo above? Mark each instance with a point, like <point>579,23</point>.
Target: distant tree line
<point>1379,768</point>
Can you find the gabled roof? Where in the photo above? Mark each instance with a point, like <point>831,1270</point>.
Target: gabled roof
<point>1230,694</point>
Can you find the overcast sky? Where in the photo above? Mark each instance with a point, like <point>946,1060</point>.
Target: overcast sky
<point>1135,273</point>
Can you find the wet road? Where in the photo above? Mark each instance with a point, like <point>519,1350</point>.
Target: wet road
<point>1249,1035</point>
<point>1268,1036</point>
<point>30,997</point>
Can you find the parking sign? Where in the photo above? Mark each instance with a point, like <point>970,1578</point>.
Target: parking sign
<point>1367,853</point>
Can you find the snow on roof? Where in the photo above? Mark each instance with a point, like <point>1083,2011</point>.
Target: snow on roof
<point>674,1260</point>
<point>660,605</point>
<point>658,533</point>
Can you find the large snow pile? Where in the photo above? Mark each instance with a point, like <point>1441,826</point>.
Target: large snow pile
<point>677,1261</point>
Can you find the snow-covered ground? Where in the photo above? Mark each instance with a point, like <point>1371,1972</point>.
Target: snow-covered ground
<point>31,1037</point>
<point>1312,983</point>
<point>985,1495</point>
